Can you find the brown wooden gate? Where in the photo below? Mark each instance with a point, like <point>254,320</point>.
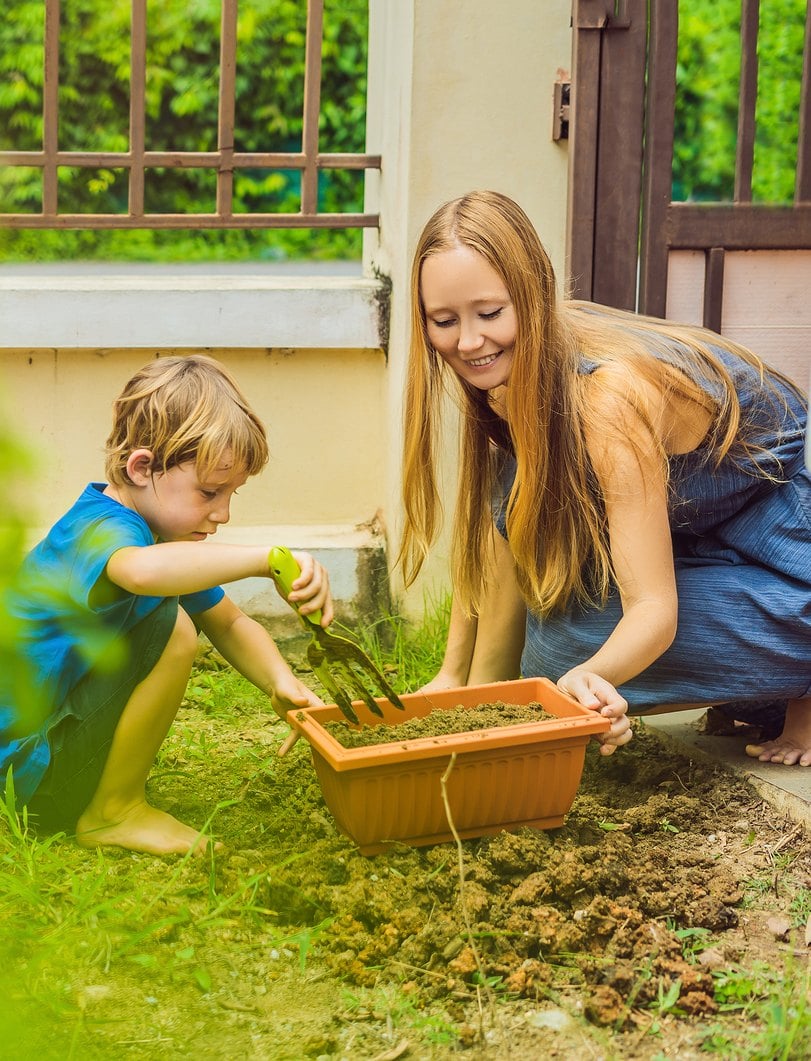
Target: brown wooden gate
<point>630,244</point>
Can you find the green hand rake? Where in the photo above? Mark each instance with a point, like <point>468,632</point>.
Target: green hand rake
<point>342,666</point>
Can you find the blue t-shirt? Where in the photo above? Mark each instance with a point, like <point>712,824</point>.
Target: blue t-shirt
<point>68,619</point>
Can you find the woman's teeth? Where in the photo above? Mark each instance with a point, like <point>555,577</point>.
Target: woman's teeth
<point>480,362</point>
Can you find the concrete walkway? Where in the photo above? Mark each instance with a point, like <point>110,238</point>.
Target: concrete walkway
<point>786,788</point>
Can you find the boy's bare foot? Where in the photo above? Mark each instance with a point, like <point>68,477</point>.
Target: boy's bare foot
<point>793,746</point>
<point>140,828</point>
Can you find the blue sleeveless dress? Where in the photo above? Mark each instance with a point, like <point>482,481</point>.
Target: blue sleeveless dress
<point>742,551</point>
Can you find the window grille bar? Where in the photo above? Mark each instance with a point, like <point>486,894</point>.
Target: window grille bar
<point>227,108</point>
<point>747,101</point>
<point>50,109</point>
<point>137,108</point>
<point>189,159</point>
<point>802,185</point>
<point>138,158</point>
<point>203,221</point>
<point>312,105</point>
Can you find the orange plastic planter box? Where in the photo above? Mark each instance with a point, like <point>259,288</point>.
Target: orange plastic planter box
<point>503,777</point>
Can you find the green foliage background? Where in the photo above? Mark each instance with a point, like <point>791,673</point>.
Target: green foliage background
<point>707,99</point>
<point>181,104</point>
<point>182,86</point>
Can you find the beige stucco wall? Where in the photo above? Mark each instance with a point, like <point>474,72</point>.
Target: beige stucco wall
<point>323,409</point>
<point>461,97</point>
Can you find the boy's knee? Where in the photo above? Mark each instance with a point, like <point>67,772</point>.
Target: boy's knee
<point>183,639</point>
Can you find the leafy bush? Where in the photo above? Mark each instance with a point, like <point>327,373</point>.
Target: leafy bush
<point>708,75</point>
<point>16,475</point>
<point>182,86</point>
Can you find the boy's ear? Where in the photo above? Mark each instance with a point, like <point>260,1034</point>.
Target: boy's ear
<point>139,466</point>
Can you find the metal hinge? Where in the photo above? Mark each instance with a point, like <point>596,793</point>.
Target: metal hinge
<point>602,14</point>
<point>560,112</point>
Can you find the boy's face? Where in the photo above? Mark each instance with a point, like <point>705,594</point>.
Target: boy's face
<point>180,506</point>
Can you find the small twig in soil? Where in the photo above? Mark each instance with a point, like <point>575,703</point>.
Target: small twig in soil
<point>460,853</point>
<point>785,839</point>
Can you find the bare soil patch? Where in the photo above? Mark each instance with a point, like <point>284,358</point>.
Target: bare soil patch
<point>438,723</point>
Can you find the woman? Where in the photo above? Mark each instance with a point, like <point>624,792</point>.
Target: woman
<point>633,508</point>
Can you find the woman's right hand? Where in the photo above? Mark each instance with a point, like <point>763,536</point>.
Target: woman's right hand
<point>594,692</point>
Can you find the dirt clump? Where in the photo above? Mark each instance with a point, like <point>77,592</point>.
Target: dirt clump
<point>597,903</point>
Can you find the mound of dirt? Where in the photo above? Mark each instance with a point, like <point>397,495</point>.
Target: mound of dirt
<point>601,902</point>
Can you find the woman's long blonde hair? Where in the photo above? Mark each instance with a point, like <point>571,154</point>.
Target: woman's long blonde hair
<point>554,513</point>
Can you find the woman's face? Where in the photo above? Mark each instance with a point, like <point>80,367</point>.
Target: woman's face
<point>469,316</point>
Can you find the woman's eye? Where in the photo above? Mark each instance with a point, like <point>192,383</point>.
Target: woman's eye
<point>445,324</point>
<point>492,315</point>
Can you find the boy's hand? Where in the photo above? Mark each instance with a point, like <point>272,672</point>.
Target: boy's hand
<point>290,693</point>
<point>594,692</point>
<point>311,591</point>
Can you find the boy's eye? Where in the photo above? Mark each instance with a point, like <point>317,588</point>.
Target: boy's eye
<point>209,495</point>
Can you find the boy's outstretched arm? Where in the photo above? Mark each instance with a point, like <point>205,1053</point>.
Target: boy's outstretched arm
<point>170,569</point>
<point>252,651</point>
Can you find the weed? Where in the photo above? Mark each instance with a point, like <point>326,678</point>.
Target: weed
<point>402,1014</point>
<point>410,654</point>
<point>610,827</point>
<point>777,1005</point>
<point>667,997</point>
<point>800,906</point>
<point>693,940</point>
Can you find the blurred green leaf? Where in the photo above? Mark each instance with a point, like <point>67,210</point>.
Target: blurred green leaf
<point>707,85</point>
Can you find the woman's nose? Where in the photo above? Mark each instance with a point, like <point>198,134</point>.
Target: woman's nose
<point>470,336</point>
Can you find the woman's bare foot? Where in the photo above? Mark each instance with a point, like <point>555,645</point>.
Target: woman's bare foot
<point>793,746</point>
<point>140,828</point>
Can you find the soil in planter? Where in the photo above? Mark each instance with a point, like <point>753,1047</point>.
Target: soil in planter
<point>439,723</point>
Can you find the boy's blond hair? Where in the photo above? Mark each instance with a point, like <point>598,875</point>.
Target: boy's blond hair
<point>184,409</point>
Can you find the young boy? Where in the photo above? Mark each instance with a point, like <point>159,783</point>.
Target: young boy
<point>108,608</point>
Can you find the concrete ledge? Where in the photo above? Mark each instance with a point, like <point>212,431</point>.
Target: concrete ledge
<point>165,311</point>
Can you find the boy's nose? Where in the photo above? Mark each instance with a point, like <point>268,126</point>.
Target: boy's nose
<point>221,513</point>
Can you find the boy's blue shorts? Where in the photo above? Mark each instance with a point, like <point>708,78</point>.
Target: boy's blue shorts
<point>80,739</point>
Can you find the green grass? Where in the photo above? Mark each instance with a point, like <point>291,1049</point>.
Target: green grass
<point>105,954</point>
<point>409,653</point>
<point>776,1005</point>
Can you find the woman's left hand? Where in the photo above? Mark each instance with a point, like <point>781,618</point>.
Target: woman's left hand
<point>594,692</point>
